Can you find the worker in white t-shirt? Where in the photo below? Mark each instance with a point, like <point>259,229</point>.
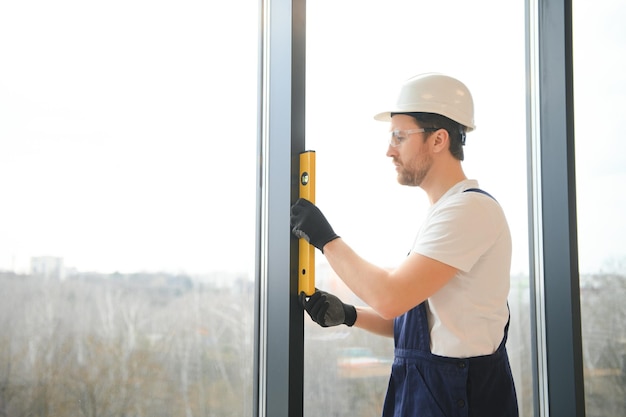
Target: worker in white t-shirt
<point>446,304</point>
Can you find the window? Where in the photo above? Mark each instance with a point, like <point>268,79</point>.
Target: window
<point>353,70</point>
<point>127,222</point>
<point>599,89</point>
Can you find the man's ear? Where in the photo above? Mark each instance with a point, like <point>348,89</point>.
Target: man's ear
<point>441,140</point>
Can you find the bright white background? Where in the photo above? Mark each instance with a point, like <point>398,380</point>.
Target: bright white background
<point>128,134</point>
<point>356,63</point>
<point>128,129</point>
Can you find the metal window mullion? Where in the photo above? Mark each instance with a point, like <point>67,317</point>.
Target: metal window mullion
<point>559,382</point>
<point>279,325</point>
<point>540,374</point>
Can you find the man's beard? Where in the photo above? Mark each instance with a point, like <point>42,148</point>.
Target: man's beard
<point>414,174</point>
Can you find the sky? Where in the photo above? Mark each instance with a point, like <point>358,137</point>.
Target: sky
<point>128,128</point>
<point>118,150</point>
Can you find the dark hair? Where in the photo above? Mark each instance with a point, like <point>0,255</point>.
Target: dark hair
<point>456,131</point>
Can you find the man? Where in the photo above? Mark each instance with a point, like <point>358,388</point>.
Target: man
<point>446,304</point>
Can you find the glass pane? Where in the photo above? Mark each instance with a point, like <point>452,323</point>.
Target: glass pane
<point>600,91</point>
<point>354,65</point>
<point>127,222</point>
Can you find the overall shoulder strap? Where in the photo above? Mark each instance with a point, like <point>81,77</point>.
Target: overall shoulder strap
<point>478,190</point>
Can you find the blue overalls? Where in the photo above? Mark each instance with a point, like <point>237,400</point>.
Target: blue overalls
<point>427,385</point>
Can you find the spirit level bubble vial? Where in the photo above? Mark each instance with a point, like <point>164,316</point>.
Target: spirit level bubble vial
<point>306,258</point>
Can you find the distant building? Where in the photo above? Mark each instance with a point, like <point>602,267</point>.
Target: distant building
<point>47,267</point>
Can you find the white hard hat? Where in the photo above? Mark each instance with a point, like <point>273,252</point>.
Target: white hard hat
<point>434,93</point>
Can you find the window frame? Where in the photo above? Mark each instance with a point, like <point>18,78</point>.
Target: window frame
<point>555,292</point>
<point>279,322</point>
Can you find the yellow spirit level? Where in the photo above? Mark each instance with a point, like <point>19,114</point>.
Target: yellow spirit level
<point>306,259</point>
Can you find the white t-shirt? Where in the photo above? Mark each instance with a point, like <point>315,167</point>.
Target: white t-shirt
<point>469,232</point>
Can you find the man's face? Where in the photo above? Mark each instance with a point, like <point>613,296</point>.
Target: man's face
<point>412,156</point>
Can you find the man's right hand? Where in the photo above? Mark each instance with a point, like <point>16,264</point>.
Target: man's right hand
<point>309,223</point>
<point>328,310</point>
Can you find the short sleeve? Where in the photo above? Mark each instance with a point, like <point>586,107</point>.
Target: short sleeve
<point>461,231</point>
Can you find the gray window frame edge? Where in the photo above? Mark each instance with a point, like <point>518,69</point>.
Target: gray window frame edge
<point>279,322</point>
<point>558,379</point>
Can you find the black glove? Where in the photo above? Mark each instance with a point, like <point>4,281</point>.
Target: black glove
<point>327,310</point>
<point>308,222</point>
